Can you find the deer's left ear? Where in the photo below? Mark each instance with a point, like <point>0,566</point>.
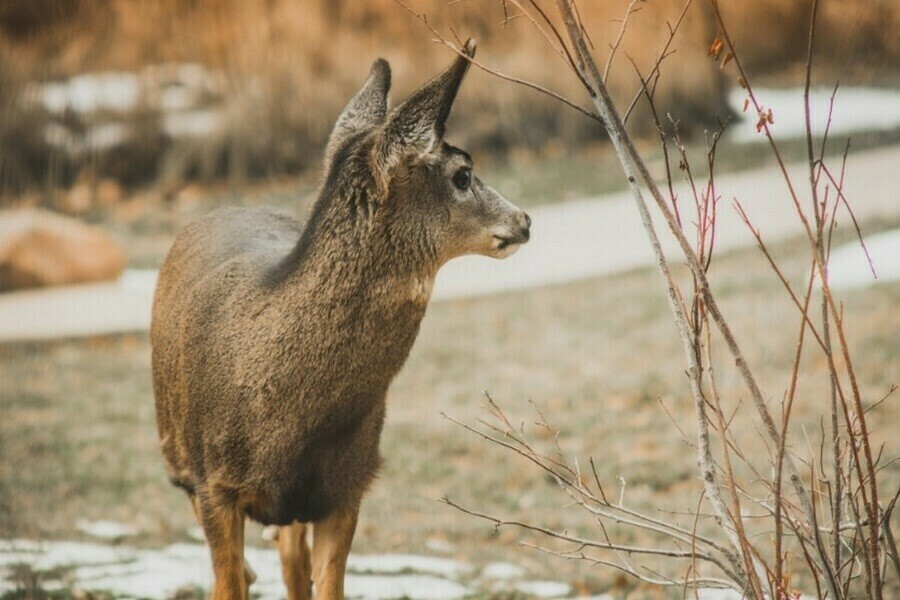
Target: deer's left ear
<point>416,127</point>
<point>365,111</point>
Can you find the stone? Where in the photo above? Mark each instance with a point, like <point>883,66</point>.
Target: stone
<point>39,248</point>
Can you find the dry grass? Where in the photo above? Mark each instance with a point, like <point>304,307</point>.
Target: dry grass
<point>77,438</point>
<point>290,66</point>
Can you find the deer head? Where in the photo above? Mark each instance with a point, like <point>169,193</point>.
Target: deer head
<point>422,187</point>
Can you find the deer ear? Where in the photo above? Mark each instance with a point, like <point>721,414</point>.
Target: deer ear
<point>417,126</point>
<point>365,111</point>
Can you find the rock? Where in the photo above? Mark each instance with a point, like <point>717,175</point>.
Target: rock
<point>39,248</point>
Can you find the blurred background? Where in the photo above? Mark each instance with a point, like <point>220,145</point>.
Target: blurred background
<point>119,95</point>
<point>121,120</point>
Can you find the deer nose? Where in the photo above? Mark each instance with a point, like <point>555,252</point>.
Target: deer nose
<point>524,218</point>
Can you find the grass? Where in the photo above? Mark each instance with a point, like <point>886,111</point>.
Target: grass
<point>290,69</point>
<point>556,175</point>
<point>78,439</point>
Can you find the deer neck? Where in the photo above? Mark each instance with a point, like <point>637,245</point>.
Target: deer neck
<point>368,264</point>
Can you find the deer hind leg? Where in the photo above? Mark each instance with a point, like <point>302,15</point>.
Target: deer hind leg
<point>332,537</point>
<point>223,525</point>
<point>249,573</point>
<point>295,561</point>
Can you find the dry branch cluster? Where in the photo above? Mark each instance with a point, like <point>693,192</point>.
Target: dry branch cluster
<point>783,519</point>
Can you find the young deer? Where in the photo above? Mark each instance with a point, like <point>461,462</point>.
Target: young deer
<point>274,345</point>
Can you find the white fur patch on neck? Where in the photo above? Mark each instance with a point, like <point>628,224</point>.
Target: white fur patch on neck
<point>420,289</point>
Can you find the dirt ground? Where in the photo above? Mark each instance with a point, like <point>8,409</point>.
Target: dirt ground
<point>78,439</point>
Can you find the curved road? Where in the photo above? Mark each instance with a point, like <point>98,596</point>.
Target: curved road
<point>570,241</point>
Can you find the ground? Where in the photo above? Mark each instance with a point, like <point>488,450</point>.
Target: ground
<point>78,440</point>
<point>600,357</point>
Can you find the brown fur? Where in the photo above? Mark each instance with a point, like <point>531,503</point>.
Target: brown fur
<point>274,345</point>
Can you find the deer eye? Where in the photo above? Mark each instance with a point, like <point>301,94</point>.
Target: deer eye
<point>462,178</point>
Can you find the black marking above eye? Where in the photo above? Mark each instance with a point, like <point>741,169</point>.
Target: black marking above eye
<point>463,178</point>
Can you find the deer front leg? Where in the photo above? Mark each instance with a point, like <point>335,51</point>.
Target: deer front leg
<point>223,525</point>
<point>295,561</point>
<point>332,537</point>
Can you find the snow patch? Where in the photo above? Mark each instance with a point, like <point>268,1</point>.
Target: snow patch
<point>400,563</point>
<point>172,86</point>
<point>158,574</point>
<point>420,587</point>
<point>104,105</point>
<point>501,570</point>
<point>109,530</point>
<point>45,556</point>
<point>91,92</point>
<point>439,545</point>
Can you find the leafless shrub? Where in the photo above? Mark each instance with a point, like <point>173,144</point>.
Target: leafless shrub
<point>777,519</point>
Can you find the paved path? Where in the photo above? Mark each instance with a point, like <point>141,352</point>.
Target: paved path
<point>570,241</point>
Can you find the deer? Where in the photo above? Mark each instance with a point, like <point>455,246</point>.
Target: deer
<point>274,344</point>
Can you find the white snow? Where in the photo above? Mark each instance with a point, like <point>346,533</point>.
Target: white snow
<point>43,556</point>
<point>419,587</point>
<point>109,530</point>
<point>848,267</point>
<point>502,570</point>
<point>399,563</point>
<point>173,86</point>
<point>439,545</point>
<point>91,92</point>
<point>157,574</point>
<point>182,96</point>
<point>855,109</point>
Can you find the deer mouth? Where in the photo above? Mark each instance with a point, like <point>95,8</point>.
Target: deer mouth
<point>502,243</point>
<point>507,245</point>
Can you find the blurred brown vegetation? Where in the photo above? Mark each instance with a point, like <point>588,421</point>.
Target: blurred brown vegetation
<point>288,66</point>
